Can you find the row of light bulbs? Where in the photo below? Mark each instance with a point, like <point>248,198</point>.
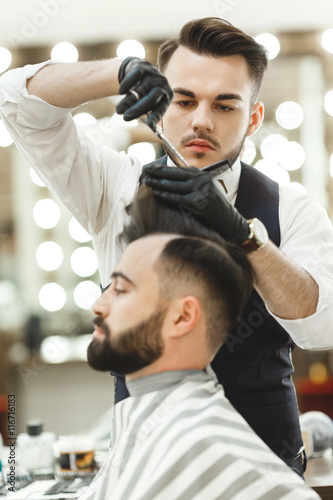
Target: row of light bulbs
<point>50,256</point>
<point>53,297</point>
<point>67,52</point>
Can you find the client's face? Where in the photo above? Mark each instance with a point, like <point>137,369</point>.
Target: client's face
<point>129,350</point>
<point>129,314</point>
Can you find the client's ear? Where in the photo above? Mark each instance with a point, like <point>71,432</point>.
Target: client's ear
<point>185,314</point>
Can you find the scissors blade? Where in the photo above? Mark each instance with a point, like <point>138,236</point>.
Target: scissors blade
<point>173,152</point>
<point>217,168</point>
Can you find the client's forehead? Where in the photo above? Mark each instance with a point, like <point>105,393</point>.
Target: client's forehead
<point>141,255</point>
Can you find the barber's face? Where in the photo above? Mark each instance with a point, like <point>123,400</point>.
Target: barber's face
<point>129,314</point>
<point>211,112</point>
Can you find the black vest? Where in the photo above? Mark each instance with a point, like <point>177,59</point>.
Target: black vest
<point>254,364</point>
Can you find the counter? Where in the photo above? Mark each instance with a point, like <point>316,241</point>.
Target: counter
<point>319,475</point>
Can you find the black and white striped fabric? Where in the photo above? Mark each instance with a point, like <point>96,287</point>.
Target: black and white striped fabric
<point>185,441</point>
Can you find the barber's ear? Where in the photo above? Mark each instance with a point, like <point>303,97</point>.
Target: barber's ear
<point>257,116</point>
<point>186,314</point>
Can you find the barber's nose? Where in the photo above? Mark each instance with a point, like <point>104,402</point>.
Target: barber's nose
<point>202,119</point>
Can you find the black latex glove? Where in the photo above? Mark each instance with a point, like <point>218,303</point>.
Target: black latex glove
<point>196,193</point>
<point>155,93</point>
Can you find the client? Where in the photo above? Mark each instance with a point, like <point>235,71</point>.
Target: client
<point>171,302</point>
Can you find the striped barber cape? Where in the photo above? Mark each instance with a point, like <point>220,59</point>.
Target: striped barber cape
<point>178,438</point>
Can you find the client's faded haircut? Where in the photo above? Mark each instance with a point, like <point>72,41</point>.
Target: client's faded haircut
<point>201,259</point>
<point>219,274</point>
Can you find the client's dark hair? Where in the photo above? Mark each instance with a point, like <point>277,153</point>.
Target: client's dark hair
<point>149,215</point>
<point>199,260</point>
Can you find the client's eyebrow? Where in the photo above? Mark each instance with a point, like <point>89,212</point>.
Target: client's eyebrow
<point>220,97</point>
<point>119,274</point>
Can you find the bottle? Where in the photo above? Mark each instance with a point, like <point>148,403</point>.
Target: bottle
<point>35,448</point>
<point>2,452</point>
<point>76,455</point>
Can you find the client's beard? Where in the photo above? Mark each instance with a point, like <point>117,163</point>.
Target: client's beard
<point>132,350</point>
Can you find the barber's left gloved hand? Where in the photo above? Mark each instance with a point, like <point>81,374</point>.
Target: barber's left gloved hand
<point>146,88</point>
<point>196,193</point>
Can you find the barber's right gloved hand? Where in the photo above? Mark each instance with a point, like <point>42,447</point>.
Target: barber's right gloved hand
<point>196,194</point>
<point>146,89</point>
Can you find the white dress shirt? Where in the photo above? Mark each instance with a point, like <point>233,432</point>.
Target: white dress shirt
<point>96,183</point>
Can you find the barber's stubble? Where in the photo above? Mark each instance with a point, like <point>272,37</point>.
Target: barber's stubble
<point>229,155</point>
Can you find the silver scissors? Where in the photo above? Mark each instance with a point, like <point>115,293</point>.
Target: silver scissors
<point>172,151</point>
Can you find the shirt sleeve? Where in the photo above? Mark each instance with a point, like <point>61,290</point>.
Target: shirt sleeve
<point>307,238</point>
<point>80,171</point>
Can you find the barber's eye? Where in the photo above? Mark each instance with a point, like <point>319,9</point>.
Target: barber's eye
<point>225,108</point>
<point>185,104</point>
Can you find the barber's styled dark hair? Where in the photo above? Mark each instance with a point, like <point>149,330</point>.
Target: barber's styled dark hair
<point>216,37</point>
<point>200,259</point>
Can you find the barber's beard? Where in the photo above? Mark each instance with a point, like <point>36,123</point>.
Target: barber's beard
<point>229,155</point>
<point>132,350</point>
<point>234,154</point>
